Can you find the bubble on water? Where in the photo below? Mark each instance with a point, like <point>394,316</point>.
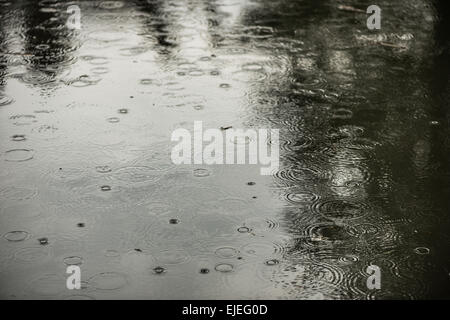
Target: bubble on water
<point>18,137</point>
<point>123,111</point>
<point>73,261</point>
<point>272,262</point>
<point>204,270</point>
<point>5,100</point>
<point>224,86</point>
<point>105,188</point>
<point>251,183</point>
<point>201,172</point>
<point>422,250</point>
<point>244,230</point>
<point>43,241</point>
<point>215,72</point>
<point>19,155</point>
<point>224,267</point>
<point>113,120</point>
<point>146,82</point>
<point>108,281</point>
<point>226,252</point>
<point>16,236</point>
<point>103,169</point>
<point>174,221</point>
<point>159,270</point>
<point>199,107</point>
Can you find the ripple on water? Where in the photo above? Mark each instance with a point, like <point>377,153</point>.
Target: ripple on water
<point>224,268</point>
<point>337,210</point>
<point>301,197</point>
<point>16,236</point>
<point>19,155</point>
<point>226,252</point>
<point>5,100</point>
<point>201,172</point>
<point>138,174</point>
<point>16,193</point>
<point>172,257</point>
<point>32,254</point>
<point>49,285</point>
<point>108,281</point>
<point>73,261</point>
<point>110,5</point>
<point>264,249</point>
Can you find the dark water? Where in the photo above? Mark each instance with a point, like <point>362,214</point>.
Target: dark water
<point>86,177</point>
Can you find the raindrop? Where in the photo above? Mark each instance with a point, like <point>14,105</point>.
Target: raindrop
<point>272,262</point>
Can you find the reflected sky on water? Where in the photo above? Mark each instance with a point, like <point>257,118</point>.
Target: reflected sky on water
<point>86,176</point>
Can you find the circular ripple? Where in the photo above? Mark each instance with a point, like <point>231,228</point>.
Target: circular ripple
<point>5,100</point>
<point>108,281</point>
<point>226,252</point>
<point>224,267</point>
<point>340,209</point>
<point>200,173</point>
<point>73,261</point>
<point>301,197</point>
<point>138,174</point>
<point>19,155</point>
<point>16,236</point>
<point>31,254</point>
<point>173,257</point>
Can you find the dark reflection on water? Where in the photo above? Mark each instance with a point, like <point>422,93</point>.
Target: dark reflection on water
<point>86,117</point>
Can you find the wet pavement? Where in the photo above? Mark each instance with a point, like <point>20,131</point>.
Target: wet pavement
<point>86,176</point>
